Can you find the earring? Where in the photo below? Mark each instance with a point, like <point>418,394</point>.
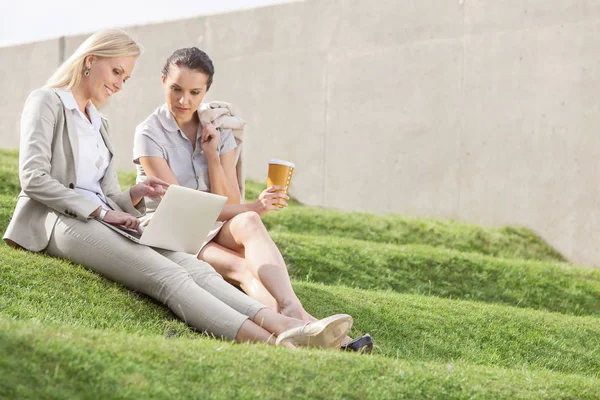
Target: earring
<point>86,73</point>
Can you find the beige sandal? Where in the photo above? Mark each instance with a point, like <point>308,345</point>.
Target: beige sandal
<point>327,332</point>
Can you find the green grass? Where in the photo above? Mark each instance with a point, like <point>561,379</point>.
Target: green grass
<point>433,271</point>
<point>7,205</point>
<point>441,272</point>
<point>406,326</point>
<point>457,310</point>
<point>507,242</point>
<point>127,179</point>
<point>9,172</point>
<point>76,297</point>
<point>71,362</point>
<point>429,270</point>
<point>427,328</point>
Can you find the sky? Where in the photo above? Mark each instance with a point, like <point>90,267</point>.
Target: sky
<point>23,21</point>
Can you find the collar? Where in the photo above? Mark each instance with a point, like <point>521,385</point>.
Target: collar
<point>166,118</point>
<point>67,98</point>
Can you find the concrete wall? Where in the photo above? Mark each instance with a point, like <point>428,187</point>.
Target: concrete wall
<point>22,69</point>
<point>480,111</point>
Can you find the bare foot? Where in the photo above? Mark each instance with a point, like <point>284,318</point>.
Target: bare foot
<point>294,311</point>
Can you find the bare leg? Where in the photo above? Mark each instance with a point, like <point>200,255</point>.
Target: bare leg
<point>245,233</point>
<point>252,333</point>
<point>246,237</point>
<point>265,321</point>
<point>234,268</point>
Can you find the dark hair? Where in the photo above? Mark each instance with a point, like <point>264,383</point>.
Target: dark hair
<point>192,58</point>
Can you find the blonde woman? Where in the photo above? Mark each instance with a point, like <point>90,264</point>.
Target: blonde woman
<point>172,144</point>
<point>69,180</point>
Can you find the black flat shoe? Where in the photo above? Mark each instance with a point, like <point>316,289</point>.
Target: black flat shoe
<point>362,345</point>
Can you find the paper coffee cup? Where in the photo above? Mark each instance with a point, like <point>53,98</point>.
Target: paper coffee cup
<point>280,173</point>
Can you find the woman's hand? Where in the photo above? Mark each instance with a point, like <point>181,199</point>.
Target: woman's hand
<point>151,187</point>
<point>209,143</point>
<point>272,198</point>
<point>121,218</point>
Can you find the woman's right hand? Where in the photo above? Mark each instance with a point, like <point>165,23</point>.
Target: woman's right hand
<point>272,198</point>
<point>121,218</point>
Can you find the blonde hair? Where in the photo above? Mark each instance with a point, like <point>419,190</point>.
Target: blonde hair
<point>103,44</point>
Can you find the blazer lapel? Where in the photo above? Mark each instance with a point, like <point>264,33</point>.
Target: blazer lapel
<point>106,138</point>
<point>73,137</point>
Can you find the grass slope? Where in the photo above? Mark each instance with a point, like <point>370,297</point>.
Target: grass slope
<point>428,270</point>
<point>7,205</point>
<point>37,287</point>
<point>433,329</point>
<point>9,172</point>
<point>456,309</point>
<point>508,242</point>
<point>441,272</point>
<point>81,363</point>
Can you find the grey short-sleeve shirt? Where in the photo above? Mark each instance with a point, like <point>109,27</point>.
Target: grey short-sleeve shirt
<point>159,136</point>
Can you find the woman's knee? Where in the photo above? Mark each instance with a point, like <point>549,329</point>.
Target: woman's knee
<point>248,223</point>
<point>163,286</point>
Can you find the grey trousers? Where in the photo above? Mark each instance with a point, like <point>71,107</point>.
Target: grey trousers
<point>191,288</point>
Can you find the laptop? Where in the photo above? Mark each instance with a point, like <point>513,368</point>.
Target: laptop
<point>181,221</point>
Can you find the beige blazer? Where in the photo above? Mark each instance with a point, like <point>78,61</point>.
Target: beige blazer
<point>223,115</point>
<point>47,169</point>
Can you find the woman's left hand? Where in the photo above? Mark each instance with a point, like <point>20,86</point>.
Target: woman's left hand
<point>209,143</point>
<point>151,187</point>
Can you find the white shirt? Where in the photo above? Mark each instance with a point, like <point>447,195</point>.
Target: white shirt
<point>93,153</point>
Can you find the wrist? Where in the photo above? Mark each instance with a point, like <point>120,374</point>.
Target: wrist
<point>96,213</point>
<point>212,156</point>
<point>133,191</point>
<point>136,194</point>
<point>256,206</point>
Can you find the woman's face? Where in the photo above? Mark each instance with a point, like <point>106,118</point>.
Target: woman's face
<point>107,76</point>
<point>184,91</point>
